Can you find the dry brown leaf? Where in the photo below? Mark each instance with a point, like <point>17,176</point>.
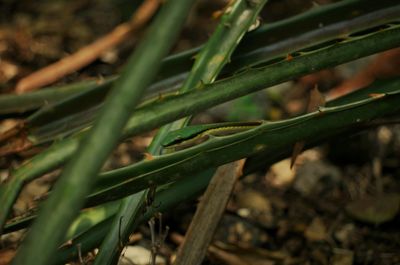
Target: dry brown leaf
<point>386,64</point>
<point>6,255</point>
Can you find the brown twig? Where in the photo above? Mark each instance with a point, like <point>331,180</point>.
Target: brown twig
<point>157,240</point>
<point>208,214</point>
<point>89,53</point>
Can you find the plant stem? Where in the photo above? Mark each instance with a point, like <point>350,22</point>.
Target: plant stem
<point>79,175</point>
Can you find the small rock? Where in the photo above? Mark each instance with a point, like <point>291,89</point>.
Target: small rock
<point>345,233</point>
<point>256,206</point>
<point>342,257</point>
<point>375,209</point>
<point>253,200</point>
<point>316,231</point>
<point>280,174</point>
<point>315,176</point>
<point>138,255</point>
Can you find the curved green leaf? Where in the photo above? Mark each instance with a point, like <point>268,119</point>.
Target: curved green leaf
<point>78,177</point>
<point>176,107</point>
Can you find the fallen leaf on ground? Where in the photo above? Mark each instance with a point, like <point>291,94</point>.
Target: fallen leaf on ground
<point>316,231</point>
<point>375,209</point>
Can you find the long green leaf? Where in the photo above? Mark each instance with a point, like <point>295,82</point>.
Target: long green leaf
<point>165,199</point>
<point>257,47</point>
<point>170,197</point>
<point>194,184</point>
<point>270,137</point>
<point>80,174</point>
<point>176,65</point>
<point>209,62</point>
<point>192,102</point>
<point>88,239</point>
<point>11,103</point>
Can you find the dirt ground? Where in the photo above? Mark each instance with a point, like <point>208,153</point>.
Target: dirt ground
<point>339,204</point>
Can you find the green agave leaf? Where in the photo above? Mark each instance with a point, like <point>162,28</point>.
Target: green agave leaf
<point>90,239</point>
<point>76,180</point>
<point>170,109</point>
<point>258,47</point>
<point>269,137</point>
<point>209,62</point>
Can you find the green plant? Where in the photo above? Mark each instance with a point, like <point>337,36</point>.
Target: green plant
<point>257,64</point>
